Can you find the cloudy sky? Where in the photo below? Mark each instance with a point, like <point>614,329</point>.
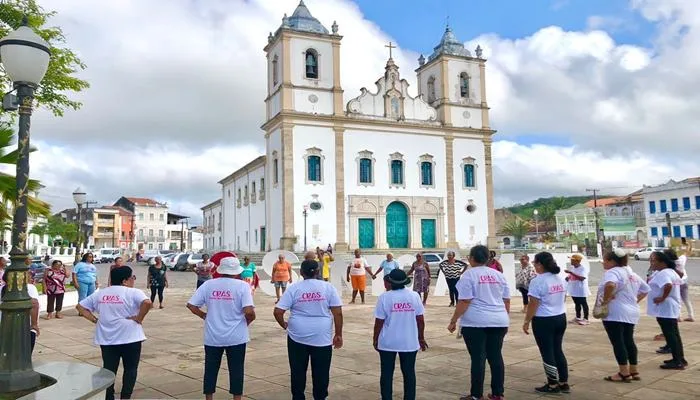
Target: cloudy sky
<point>584,93</point>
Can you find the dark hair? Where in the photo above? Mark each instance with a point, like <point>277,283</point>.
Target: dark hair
<point>621,261</point>
<point>665,258</point>
<point>120,274</point>
<point>547,262</point>
<point>85,256</point>
<point>118,258</point>
<point>492,254</point>
<point>671,254</point>
<point>479,254</point>
<point>309,269</point>
<point>205,255</point>
<point>54,262</point>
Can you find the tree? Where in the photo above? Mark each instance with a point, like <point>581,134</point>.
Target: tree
<point>64,63</point>
<point>518,228</point>
<point>55,228</point>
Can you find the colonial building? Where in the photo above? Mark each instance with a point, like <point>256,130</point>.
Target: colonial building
<point>384,170</point>
<point>673,209</point>
<point>211,226</point>
<point>150,222</point>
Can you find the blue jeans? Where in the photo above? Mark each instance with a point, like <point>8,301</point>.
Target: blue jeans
<point>85,289</point>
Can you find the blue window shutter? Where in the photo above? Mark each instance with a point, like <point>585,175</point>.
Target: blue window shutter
<point>426,173</point>
<point>686,203</point>
<point>689,231</point>
<point>662,205</point>
<point>697,202</point>
<point>654,231</point>
<point>469,175</point>
<point>314,166</point>
<point>652,207</point>
<point>674,205</point>
<point>365,170</point>
<point>397,172</point>
<point>664,231</point>
<point>676,231</point>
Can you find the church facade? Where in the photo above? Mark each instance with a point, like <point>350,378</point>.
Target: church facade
<point>384,170</point>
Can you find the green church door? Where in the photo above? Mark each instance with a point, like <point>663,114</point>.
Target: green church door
<point>427,229</point>
<point>366,231</point>
<point>397,226</point>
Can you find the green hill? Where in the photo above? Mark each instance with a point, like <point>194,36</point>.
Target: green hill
<point>546,207</point>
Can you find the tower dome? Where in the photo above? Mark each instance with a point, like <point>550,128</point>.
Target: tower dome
<point>450,45</point>
<point>302,20</point>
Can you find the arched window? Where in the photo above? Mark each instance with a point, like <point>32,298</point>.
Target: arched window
<point>396,172</point>
<point>464,85</point>
<point>275,168</point>
<point>311,63</point>
<point>314,168</point>
<point>365,170</point>
<point>431,89</point>
<point>426,173</point>
<point>275,71</point>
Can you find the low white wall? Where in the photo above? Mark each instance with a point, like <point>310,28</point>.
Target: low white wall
<point>70,299</point>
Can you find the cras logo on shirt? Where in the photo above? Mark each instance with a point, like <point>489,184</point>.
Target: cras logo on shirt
<point>488,279</point>
<point>311,296</point>
<point>221,295</point>
<point>111,299</point>
<point>402,307</point>
<point>558,288</point>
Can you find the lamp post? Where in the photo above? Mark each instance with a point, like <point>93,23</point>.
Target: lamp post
<point>305,214</point>
<point>537,226</point>
<point>80,198</point>
<point>25,59</point>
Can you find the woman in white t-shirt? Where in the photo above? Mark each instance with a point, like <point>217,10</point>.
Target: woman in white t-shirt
<point>482,313</point>
<point>664,303</point>
<point>398,330</point>
<point>621,290</point>
<point>547,311</point>
<point>315,308</point>
<point>121,310</point>
<point>357,275</point>
<point>230,310</point>
<point>578,288</point>
<point>680,261</point>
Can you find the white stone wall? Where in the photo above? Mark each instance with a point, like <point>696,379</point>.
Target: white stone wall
<point>228,206</point>
<point>250,217</point>
<point>432,70</point>
<point>273,197</point>
<point>298,47</point>
<point>212,235</point>
<point>454,68</point>
<point>681,217</point>
<point>471,228</point>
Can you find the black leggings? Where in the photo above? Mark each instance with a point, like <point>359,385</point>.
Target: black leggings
<point>407,360</point>
<point>130,354</point>
<point>485,344</point>
<point>452,286</point>
<point>525,292</point>
<point>235,359</point>
<point>669,327</point>
<point>549,335</point>
<point>621,335</point>
<point>581,303</point>
<point>159,290</point>
<point>299,355</point>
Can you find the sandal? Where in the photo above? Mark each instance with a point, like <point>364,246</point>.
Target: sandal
<point>635,376</point>
<point>623,378</point>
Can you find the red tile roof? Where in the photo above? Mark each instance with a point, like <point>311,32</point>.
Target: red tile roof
<point>602,202</point>
<point>142,201</point>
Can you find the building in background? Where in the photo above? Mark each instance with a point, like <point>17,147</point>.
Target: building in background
<point>177,233</point>
<point>673,210</point>
<point>212,226</point>
<point>126,229</point>
<point>150,222</point>
<point>106,228</point>
<point>196,238</point>
<point>85,222</point>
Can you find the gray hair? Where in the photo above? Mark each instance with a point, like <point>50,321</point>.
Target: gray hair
<point>451,253</point>
<point>389,254</point>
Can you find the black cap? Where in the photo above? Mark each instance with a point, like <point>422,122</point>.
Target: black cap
<point>309,267</point>
<point>397,277</point>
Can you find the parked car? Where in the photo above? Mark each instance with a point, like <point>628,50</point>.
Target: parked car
<point>106,255</point>
<point>37,268</point>
<point>181,262</point>
<point>645,253</point>
<point>193,259</point>
<point>433,260</point>
<point>169,260</point>
<point>148,255</point>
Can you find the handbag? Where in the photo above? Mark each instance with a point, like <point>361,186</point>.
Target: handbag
<point>601,310</point>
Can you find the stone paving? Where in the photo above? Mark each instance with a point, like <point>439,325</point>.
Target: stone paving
<point>173,357</point>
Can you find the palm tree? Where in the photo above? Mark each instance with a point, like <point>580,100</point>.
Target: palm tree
<point>8,183</point>
<point>518,228</point>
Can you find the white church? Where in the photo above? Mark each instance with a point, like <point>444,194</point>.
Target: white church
<point>384,170</point>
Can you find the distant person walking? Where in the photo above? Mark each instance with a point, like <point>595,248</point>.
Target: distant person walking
<point>281,275</point>
<point>357,275</point>
<point>526,273</point>
<point>248,274</point>
<point>85,277</point>
<point>203,270</point>
<point>578,288</point>
<point>421,277</point>
<point>398,331</point>
<point>54,288</point>
<point>452,269</point>
<point>547,312</point>
<point>315,308</point>
<point>118,262</point>
<point>157,280</point>
<point>619,293</point>
<point>120,311</point>
<point>230,310</point>
<point>326,259</point>
<point>482,313</point>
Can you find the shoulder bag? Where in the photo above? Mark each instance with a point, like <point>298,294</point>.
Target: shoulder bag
<point>600,310</point>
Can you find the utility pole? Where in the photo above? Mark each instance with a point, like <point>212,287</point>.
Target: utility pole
<point>597,222</point>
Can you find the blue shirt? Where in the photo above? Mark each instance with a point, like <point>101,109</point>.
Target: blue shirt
<point>388,266</point>
<point>85,272</point>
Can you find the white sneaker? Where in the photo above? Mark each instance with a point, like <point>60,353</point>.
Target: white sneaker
<point>584,322</point>
<point>575,321</point>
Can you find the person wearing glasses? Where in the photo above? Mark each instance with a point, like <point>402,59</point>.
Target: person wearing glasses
<point>120,312</point>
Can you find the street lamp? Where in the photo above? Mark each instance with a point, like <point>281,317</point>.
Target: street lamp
<point>25,59</point>
<point>305,214</point>
<point>537,226</point>
<point>80,198</point>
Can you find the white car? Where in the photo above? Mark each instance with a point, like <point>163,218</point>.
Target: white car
<point>645,253</point>
<point>433,260</point>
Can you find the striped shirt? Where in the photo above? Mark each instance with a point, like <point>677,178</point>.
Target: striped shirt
<point>452,271</point>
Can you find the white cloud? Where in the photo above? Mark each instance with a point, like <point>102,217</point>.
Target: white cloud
<point>177,98</point>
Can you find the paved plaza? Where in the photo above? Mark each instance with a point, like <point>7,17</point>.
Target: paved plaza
<point>172,361</point>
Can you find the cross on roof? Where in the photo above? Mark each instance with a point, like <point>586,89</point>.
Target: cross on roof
<point>390,46</point>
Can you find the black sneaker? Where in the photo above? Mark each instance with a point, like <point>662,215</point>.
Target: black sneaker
<point>663,350</point>
<point>548,389</point>
<point>674,365</point>
<point>671,361</point>
<point>565,388</point>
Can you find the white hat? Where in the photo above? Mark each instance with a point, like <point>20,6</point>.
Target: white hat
<point>229,266</point>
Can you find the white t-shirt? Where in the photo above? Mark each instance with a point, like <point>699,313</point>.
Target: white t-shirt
<point>31,290</point>
<point>671,307</point>
<point>310,320</point>
<point>388,266</point>
<point>550,290</point>
<point>486,288</point>
<point>680,267</point>
<point>578,288</point>
<point>624,307</point>
<point>358,266</point>
<point>225,298</point>
<point>114,305</point>
<point>398,309</point>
